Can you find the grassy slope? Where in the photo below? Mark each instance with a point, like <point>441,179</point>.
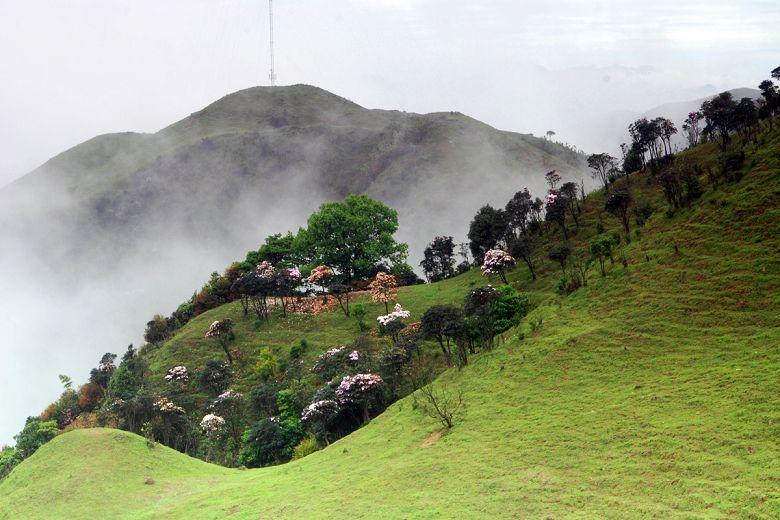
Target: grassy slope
<point>651,393</point>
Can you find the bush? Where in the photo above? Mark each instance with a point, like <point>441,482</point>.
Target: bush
<point>643,212</point>
<point>307,446</point>
<point>264,444</point>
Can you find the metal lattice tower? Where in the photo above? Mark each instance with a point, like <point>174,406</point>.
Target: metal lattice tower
<point>272,73</point>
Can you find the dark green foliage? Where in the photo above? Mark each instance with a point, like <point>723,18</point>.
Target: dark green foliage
<point>601,249</point>
<point>560,253</point>
<point>35,434</point>
<point>486,230</point>
<point>519,211</point>
<point>438,262</point>
<point>264,444</point>
<point>157,330</point>
<point>642,212</point>
<point>215,376</point>
<point>556,212</point>
<point>618,203</point>
<point>523,247</point>
<point>353,236</point>
<point>262,400</point>
<point>445,324</point>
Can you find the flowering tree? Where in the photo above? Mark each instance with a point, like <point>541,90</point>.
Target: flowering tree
<point>330,362</point>
<point>285,282</point>
<point>228,405</point>
<point>384,289</point>
<point>212,425</point>
<point>222,331</point>
<point>358,390</point>
<point>321,276</point>
<point>177,374</point>
<point>319,415</point>
<point>496,262</point>
<point>391,323</point>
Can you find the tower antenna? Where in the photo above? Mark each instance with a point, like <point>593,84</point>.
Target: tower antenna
<point>272,74</point>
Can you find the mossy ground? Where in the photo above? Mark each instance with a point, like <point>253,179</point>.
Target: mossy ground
<point>653,392</point>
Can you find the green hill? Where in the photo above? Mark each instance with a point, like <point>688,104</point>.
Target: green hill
<point>651,393</point>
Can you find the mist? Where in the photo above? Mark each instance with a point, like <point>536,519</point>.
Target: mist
<point>83,68</point>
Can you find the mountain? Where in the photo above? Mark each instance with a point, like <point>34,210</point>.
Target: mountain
<point>126,225</point>
<point>273,154</point>
<point>649,392</point>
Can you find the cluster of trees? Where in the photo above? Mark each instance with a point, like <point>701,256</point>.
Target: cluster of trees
<point>354,237</point>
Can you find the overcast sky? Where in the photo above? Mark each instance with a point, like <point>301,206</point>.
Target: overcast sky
<point>72,69</point>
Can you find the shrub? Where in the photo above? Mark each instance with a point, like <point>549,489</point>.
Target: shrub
<point>306,447</point>
<point>264,444</point>
<point>643,212</point>
<point>215,376</point>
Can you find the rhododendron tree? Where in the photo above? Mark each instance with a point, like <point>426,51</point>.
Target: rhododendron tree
<point>399,313</point>
<point>229,406</point>
<point>222,331</point>
<point>321,276</point>
<point>212,425</point>
<point>330,362</point>
<point>358,390</point>
<point>177,374</point>
<point>391,323</point>
<point>496,262</point>
<point>384,289</point>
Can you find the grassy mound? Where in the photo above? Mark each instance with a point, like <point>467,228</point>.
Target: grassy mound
<point>653,392</point>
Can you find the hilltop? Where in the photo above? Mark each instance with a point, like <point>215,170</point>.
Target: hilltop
<point>219,174</point>
<point>649,392</point>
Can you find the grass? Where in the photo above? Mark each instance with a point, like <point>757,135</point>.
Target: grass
<point>651,393</point>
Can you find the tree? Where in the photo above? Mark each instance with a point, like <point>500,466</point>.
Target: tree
<point>601,249</point>
<point>486,230</point>
<point>556,211</point>
<point>618,204</point>
<point>358,390</point>
<point>384,289</point>
<point>552,178</point>
<point>518,211</point>
<point>720,114</point>
<point>444,323</point>
<point>222,331</point>
<point>35,434</point>
<point>438,402</point>
<point>549,134</point>
<point>523,247</point>
<point>560,253</point>
<point>278,250</point>
<point>215,376</point>
<point>438,259</point>
<point>692,127</point>
<point>497,261</point>
<point>264,444</point>
<point>353,236</point>
<point>569,190</point>
<point>601,164</point>
<point>157,330</point>
<point>666,131</point>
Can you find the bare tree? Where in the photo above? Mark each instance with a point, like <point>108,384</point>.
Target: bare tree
<point>440,403</point>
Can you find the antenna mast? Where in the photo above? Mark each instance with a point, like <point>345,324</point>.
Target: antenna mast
<point>272,74</point>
